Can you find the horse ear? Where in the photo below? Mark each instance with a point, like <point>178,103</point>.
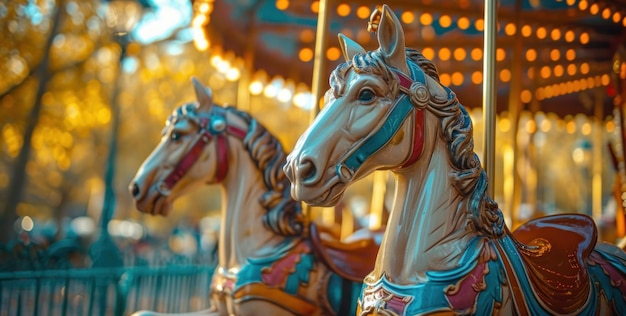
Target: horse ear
<point>203,95</point>
<point>349,47</point>
<point>391,40</point>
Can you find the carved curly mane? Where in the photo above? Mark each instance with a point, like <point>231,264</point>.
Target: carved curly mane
<point>469,178</point>
<point>283,213</point>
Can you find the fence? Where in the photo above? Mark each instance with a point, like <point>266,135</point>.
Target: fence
<point>105,291</point>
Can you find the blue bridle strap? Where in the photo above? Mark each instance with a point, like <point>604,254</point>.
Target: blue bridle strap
<point>381,137</point>
<point>400,110</point>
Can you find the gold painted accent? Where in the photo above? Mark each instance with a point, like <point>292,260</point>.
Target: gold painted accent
<point>397,139</point>
<point>537,247</point>
<point>274,295</point>
<point>372,25</point>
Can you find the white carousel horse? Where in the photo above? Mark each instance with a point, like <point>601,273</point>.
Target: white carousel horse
<point>446,249</point>
<point>267,265</point>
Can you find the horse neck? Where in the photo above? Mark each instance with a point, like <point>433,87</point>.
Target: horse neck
<point>242,233</point>
<point>426,231</point>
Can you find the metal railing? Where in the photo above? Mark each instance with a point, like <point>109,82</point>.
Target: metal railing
<point>105,291</point>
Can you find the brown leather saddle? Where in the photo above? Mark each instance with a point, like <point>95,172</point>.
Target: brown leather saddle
<point>554,249</point>
<point>353,259</point>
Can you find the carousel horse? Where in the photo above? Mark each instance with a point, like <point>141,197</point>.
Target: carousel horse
<point>446,249</point>
<point>267,263</point>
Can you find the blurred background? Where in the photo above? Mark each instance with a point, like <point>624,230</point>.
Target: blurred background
<point>86,87</point>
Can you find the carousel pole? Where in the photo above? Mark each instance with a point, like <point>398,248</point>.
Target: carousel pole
<point>317,90</point>
<point>243,88</point>
<point>319,62</point>
<point>596,165</point>
<point>510,177</point>
<point>489,91</point>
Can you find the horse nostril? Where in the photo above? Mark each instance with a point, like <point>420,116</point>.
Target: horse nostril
<point>306,169</point>
<point>134,189</point>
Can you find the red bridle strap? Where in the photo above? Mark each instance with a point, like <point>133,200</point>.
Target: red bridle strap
<point>188,160</point>
<point>418,131</point>
<point>236,131</point>
<point>418,139</point>
<point>204,137</point>
<point>222,150</point>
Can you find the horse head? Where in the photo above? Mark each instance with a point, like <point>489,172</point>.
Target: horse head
<point>193,150</point>
<point>373,117</point>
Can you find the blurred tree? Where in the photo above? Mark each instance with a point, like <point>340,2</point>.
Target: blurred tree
<point>52,100</point>
<point>59,66</point>
<point>40,72</point>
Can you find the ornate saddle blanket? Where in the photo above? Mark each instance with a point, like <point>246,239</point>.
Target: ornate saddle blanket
<point>284,277</point>
<point>278,278</point>
<point>553,250</point>
<point>553,267</point>
<point>549,265</point>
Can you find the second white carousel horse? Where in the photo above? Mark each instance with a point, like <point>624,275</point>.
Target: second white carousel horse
<point>267,265</point>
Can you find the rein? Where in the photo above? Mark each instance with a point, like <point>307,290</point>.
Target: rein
<point>414,96</point>
<point>217,128</point>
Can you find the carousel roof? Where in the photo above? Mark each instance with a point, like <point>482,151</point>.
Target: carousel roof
<point>556,55</point>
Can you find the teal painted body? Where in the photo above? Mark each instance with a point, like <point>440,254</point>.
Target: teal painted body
<point>431,296</point>
<point>341,294</point>
<point>254,270</point>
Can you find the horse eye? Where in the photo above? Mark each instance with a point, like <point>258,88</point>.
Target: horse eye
<point>174,136</point>
<point>366,95</point>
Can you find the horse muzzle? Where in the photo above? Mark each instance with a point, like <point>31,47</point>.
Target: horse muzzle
<point>303,173</point>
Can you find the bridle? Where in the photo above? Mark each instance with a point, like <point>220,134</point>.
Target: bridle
<point>414,96</point>
<point>211,125</point>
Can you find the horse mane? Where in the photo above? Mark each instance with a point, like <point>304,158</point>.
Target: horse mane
<point>283,213</point>
<point>468,176</point>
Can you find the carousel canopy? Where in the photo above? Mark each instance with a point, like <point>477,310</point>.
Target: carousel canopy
<point>552,55</point>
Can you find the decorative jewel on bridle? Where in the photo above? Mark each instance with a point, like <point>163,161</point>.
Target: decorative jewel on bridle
<point>414,96</point>
<point>217,128</point>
